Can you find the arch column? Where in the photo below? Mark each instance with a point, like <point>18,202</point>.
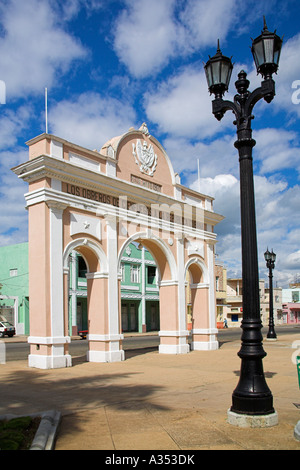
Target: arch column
<point>204,307</point>
<point>104,336</point>
<point>48,341</point>
<point>173,338</point>
<point>174,334</point>
<point>203,335</point>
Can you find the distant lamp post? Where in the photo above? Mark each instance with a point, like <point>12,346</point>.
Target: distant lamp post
<point>270,258</point>
<point>252,397</point>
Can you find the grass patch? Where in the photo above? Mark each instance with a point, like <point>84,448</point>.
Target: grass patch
<point>18,433</point>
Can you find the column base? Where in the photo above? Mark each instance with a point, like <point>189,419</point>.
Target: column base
<point>204,339</point>
<point>49,362</point>
<point>204,345</point>
<point>105,356</point>
<point>50,352</point>
<point>173,342</point>
<point>105,348</point>
<point>174,348</point>
<point>252,421</point>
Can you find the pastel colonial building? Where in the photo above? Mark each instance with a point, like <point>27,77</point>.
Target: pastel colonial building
<point>291,304</point>
<point>139,290</point>
<point>97,203</point>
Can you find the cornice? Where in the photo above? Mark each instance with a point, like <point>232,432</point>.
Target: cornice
<point>52,167</point>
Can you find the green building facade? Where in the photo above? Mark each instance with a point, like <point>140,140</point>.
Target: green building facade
<point>14,294</point>
<point>139,290</point>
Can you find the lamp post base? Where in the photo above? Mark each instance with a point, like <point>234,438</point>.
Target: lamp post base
<point>252,421</point>
<point>271,335</point>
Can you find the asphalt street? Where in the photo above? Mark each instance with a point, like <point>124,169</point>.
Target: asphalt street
<point>18,351</point>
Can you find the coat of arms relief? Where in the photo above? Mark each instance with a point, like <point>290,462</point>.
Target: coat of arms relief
<point>145,157</point>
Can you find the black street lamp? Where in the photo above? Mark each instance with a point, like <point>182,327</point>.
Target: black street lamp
<point>270,258</point>
<point>252,397</point>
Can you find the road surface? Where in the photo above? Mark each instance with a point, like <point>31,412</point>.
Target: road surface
<point>132,344</point>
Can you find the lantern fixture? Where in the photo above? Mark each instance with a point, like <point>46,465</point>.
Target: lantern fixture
<point>266,50</point>
<point>218,71</point>
<point>270,257</point>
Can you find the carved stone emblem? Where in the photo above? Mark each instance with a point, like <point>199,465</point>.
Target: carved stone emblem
<point>145,157</point>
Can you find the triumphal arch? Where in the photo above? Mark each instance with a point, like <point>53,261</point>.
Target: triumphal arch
<point>97,202</point>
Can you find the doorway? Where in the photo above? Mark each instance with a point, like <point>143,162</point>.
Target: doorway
<point>129,316</point>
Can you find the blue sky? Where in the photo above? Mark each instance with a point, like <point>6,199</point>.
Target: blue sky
<point>110,65</point>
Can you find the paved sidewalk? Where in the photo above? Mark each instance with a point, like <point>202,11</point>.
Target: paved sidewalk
<point>153,401</point>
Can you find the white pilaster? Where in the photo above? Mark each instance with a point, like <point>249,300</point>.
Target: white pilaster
<point>113,290</point>
<point>181,285</point>
<point>212,296</point>
<point>143,269</point>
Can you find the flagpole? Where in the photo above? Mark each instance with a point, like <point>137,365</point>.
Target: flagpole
<point>46,110</point>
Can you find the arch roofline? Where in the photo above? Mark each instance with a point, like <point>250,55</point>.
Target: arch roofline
<point>115,143</point>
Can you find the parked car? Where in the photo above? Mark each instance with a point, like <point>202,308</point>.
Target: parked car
<point>6,328</point>
<point>83,333</point>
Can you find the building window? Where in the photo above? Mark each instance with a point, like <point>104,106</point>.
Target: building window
<point>134,274</point>
<point>13,272</point>
<point>82,269</point>
<point>123,272</point>
<point>151,274</point>
<point>295,296</point>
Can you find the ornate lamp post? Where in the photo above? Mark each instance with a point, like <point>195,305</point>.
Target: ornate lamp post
<point>252,400</point>
<point>270,258</point>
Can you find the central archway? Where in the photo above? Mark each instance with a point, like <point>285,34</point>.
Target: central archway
<point>173,332</point>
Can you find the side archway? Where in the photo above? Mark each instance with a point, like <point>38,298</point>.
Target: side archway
<point>203,334</point>
<point>104,346</point>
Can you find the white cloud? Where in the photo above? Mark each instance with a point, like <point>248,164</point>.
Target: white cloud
<point>90,120</point>
<point>218,156</point>
<point>277,149</point>
<point>34,50</point>
<point>11,125</point>
<point>147,36</point>
<point>13,216</point>
<point>277,220</point>
<point>182,107</point>
<point>205,19</point>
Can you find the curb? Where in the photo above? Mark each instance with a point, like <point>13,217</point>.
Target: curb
<point>297,431</point>
<point>44,438</point>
